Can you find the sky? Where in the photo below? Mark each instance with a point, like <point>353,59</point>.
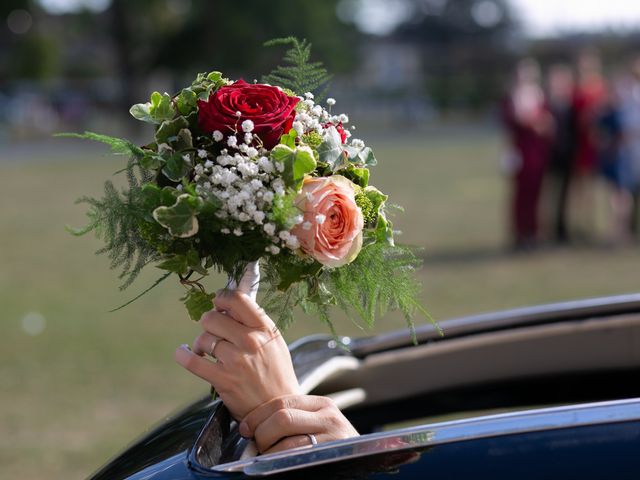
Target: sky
<point>546,17</point>
<point>540,17</point>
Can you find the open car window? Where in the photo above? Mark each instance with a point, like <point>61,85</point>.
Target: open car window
<point>421,437</point>
<point>479,368</point>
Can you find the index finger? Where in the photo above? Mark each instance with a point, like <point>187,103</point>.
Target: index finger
<point>242,308</point>
<point>310,403</point>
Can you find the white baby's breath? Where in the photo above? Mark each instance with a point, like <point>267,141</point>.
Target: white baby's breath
<point>247,126</point>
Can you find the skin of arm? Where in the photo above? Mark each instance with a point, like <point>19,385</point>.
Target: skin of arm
<point>254,376</point>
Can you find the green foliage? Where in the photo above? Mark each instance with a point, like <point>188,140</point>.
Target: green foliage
<point>297,161</point>
<point>298,73</point>
<point>331,150</point>
<point>116,219</point>
<point>180,218</point>
<point>119,146</point>
<point>284,209</point>
<point>157,110</point>
<point>361,156</point>
<point>359,176</point>
<point>366,207</point>
<point>380,279</point>
<point>313,139</point>
<point>197,303</point>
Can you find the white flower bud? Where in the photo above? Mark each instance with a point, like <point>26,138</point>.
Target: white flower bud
<point>217,135</point>
<point>247,126</point>
<point>269,228</point>
<point>331,102</point>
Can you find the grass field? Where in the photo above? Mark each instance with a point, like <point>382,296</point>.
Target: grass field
<point>77,383</point>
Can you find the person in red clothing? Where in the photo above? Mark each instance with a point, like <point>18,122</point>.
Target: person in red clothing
<point>529,125</point>
<point>589,99</point>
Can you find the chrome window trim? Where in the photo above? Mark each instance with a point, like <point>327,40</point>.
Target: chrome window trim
<point>437,434</point>
<point>517,317</point>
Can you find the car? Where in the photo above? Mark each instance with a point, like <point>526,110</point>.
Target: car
<point>550,391</point>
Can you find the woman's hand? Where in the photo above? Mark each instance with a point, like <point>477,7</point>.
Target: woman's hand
<point>286,422</point>
<point>253,362</point>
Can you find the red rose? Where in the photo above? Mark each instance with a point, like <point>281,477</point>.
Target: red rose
<point>269,108</point>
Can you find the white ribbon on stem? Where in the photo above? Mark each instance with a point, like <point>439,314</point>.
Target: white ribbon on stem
<point>250,281</point>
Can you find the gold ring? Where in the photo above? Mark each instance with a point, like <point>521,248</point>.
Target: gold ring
<point>213,346</point>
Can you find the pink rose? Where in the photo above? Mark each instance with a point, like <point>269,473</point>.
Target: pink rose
<point>331,231</point>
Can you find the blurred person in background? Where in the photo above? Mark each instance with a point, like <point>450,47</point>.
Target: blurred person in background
<point>560,83</point>
<point>630,110</point>
<point>614,165</point>
<point>529,125</point>
<point>588,101</point>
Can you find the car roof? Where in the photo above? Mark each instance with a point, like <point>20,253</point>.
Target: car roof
<point>505,319</point>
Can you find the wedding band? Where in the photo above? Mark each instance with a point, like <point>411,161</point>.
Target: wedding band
<point>312,438</point>
<point>213,346</point>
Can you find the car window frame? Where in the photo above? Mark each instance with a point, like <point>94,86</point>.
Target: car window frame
<point>430,435</point>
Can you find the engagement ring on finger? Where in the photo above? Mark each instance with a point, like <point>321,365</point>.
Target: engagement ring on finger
<point>312,438</point>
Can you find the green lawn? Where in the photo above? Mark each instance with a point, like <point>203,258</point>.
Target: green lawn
<point>91,381</point>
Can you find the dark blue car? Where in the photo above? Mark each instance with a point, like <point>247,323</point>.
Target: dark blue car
<point>541,392</point>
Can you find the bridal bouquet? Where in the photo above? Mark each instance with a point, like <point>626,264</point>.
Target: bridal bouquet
<point>242,172</point>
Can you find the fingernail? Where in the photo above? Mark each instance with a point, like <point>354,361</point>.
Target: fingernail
<point>244,430</point>
<point>184,346</point>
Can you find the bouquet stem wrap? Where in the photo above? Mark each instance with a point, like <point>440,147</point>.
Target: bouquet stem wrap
<point>250,281</point>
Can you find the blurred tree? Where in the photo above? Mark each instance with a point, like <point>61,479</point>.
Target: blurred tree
<point>26,52</point>
<point>186,36</point>
<point>467,48</point>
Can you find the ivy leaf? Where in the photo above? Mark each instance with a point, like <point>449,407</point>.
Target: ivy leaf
<point>215,77</point>
<point>297,163</point>
<point>195,263</point>
<point>377,198</point>
<point>198,303</point>
<point>184,140</point>
<point>289,139</point>
<point>186,101</point>
<point>331,150</point>
<point>176,166</point>
<point>176,264</point>
<point>168,131</point>
<point>383,227</point>
<point>361,156</point>
<point>359,176</point>
<point>384,231</point>
<point>180,219</point>
<point>159,109</point>
<point>151,161</point>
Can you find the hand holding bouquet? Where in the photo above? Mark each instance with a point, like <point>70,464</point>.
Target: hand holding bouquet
<point>242,172</point>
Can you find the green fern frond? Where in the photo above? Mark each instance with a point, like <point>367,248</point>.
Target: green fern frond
<point>380,279</point>
<point>298,73</point>
<point>116,219</point>
<point>119,146</point>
